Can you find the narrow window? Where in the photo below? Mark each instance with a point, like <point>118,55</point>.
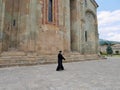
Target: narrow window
<point>14,22</point>
<point>86,36</point>
<point>85,3</point>
<point>50,11</point>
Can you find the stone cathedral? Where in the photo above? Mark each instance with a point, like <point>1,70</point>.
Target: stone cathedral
<point>33,31</point>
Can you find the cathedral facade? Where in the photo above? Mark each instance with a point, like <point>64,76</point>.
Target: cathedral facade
<point>33,31</point>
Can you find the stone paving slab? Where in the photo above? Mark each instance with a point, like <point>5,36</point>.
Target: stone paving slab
<point>85,75</point>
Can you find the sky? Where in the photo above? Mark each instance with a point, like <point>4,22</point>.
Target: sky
<point>108,14</point>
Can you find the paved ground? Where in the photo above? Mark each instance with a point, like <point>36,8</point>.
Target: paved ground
<point>86,75</point>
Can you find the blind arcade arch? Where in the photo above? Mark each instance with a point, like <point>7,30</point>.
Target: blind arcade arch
<point>11,24</point>
<point>12,27</point>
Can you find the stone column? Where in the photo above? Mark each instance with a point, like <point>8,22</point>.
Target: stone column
<point>82,26</point>
<point>39,13</point>
<point>96,37</point>
<point>66,23</point>
<point>61,12</point>
<point>2,13</point>
<point>75,25</point>
<point>39,29</point>
<point>32,26</point>
<point>61,19</point>
<point>0,25</point>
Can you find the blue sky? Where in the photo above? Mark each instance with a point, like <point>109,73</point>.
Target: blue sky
<point>109,19</point>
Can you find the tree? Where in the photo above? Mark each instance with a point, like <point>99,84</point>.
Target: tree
<point>109,50</point>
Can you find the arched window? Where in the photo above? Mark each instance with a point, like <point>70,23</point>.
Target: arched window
<point>50,12</point>
<point>86,36</point>
<point>85,3</point>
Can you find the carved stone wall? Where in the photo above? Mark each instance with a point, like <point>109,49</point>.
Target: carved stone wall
<point>25,27</point>
<point>90,29</point>
<point>14,24</point>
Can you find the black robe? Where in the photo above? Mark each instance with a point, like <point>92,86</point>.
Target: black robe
<point>60,65</point>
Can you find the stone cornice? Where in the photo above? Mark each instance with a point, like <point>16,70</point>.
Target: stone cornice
<point>94,3</point>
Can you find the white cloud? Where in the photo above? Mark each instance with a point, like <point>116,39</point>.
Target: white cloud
<point>109,25</point>
<point>114,37</point>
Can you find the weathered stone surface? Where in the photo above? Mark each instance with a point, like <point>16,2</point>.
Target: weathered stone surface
<point>25,28</point>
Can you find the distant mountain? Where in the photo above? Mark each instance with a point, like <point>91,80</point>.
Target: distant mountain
<point>106,42</point>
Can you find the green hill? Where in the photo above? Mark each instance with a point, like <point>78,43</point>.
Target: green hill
<point>106,42</point>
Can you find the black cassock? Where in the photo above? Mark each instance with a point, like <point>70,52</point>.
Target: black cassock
<point>60,65</point>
